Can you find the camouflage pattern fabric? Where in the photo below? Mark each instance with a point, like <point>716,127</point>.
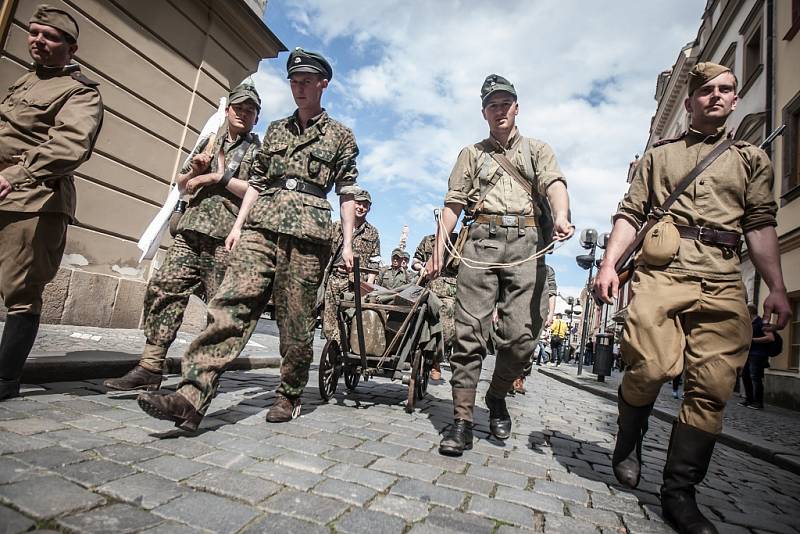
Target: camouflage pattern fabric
<point>333,293</point>
<point>213,210</point>
<point>194,265</point>
<point>263,265</point>
<point>392,279</point>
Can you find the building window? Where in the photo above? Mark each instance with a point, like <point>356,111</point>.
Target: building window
<point>729,59</point>
<point>794,334</point>
<point>795,26</point>
<point>752,55</point>
<point>790,181</point>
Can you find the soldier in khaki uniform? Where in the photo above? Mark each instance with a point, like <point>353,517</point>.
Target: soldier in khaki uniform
<point>366,245</point>
<point>394,276</point>
<point>195,263</point>
<point>503,231</point>
<point>700,324</point>
<point>444,287</point>
<point>49,122</point>
<point>280,245</point>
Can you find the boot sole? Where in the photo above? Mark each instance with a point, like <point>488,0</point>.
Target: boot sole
<point>151,387</point>
<point>154,412</point>
<point>454,452</point>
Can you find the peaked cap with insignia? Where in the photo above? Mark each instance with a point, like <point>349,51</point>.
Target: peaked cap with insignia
<point>494,83</point>
<point>243,92</point>
<point>303,61</point>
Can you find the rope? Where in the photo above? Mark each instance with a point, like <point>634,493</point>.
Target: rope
<point>486,265</point>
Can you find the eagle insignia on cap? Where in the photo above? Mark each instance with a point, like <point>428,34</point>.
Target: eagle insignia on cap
<point>297,59</point>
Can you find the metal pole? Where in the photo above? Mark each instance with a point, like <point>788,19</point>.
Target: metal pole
<point>582,342</point>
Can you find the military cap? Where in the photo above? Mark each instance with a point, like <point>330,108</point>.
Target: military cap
<point>494,83</point>
<point>303,61</point>
<point>56,18</point>
<point>406,255</point>
<point>704,72</point>
<point>362,194</point>
<point>243,92</point>
<point>398,252</point>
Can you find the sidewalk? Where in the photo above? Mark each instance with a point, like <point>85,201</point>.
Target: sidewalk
<point>68,353</point>
<point>772,434</point>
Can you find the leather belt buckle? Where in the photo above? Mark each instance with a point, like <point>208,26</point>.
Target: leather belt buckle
<point>290,184</point>
<point>705,235</point>
<point>509,220</point>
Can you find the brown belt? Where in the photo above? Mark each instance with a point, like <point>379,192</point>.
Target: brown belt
<point>710,236</point>
<point>507,221</point>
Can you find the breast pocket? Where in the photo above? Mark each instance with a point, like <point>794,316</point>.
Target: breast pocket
<point>320,165</point>
<point>272,158</point>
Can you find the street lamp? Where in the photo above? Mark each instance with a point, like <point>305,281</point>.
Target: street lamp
<point>588,241</point>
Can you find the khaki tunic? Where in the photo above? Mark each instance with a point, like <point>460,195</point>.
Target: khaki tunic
<point>49,121</point>
<point>392,278</point>
<point>691,315</point>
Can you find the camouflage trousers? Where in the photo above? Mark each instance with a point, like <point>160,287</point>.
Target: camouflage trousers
<point>264,264</point>
<point>195,265</point>
<point>337,284</point>
<point>444,287</point>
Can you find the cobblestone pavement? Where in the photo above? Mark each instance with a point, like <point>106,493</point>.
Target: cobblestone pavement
<point>74,459</point>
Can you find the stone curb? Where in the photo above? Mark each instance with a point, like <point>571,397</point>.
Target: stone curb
<point>736,440</point>
<point>83,365</point>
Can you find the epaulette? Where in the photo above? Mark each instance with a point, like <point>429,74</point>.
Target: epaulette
<point>669,140</point>
<point>80,77</point>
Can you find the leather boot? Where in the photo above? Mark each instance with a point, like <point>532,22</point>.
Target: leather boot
<point>284,409</point>
<point>499,419</point>
<point>627,457</point>
<point>170,406</point>
<point>137,378</point>
<point>19,334</point>
<point>688,456</point>
<point>457,439</point>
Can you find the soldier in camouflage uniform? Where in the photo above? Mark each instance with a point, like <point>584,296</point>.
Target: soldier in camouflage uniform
<point>394,276</point>
<point>195,263</point>
<point>443,287</point>
<point>280,245</point>
<point>366,245</point>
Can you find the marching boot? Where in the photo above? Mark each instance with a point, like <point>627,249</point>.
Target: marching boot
<point>18,337</point>
<point>284,409</point>
<point>688,457</point>
<point>137,378</point>
<point>459,436</point>
<point>627,458</point>
<point>499,418</point>
<point>170,406</point>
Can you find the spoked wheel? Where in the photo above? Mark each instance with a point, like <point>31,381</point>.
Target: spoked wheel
<point>416,379</point>
<point>329,369</point>
<point>421,383</point>
<point>351,378</point>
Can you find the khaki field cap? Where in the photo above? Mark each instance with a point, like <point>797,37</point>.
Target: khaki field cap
<point>362,195</point>
<point>704,72</point>
<point>243,92</point>
<point>399,253</point>
<point>494,83</point>
<point>661,244</point>
<point>303,61</point>
<point>56,18</point>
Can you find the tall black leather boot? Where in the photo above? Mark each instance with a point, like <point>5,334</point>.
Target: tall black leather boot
<point>688,456</point>
<point>627,458</point>
<point>18,337</point>
<point>458,437</point>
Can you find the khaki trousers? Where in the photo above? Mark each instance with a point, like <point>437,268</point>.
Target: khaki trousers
<point>676,320</point>
<point>31,246</point>
<point>516,291</point>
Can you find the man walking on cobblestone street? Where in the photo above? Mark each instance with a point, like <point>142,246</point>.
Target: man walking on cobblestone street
<point>196,261</point>
<point>689,303</point>
<point>49,122</point>
<point>504,231</point>
<point>280,249</point>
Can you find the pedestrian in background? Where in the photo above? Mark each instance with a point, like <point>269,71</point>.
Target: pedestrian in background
<point>558,333</point>
<point>757,361</point>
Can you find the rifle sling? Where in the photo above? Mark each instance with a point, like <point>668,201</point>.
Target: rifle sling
<point>655,214</point>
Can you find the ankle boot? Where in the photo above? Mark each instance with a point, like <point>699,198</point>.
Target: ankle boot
<point>499,418</point>
<point>627,458</point>
<point>688,457</point>
<point>170,406</point>
<point>137,378</point>
<point>18,337</point>
<point>457,439</point>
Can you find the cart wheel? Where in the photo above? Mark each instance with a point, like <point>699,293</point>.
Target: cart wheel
<point>351,378</point>
<point>421,383</point>
<point>328,369</point>
<point>416,368</point>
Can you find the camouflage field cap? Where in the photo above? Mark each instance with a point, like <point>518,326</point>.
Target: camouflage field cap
<point>494,83</point>
<point>399,253</point>
<point>56,18</point>
<point>704,72</point>
<point>303,61</point>
<point>406,255</point>
<point>362,195</point>
<point>243,92</point>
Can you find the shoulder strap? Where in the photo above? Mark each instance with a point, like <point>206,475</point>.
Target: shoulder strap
<point>511,169</point>
<point>232,168</point>
<point>492,182</point>
<point>658,212</point>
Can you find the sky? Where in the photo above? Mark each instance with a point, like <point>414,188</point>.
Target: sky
<point>407,78</point>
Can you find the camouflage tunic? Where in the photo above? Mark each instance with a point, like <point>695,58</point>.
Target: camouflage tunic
<point>366,245</point>
<point>195,263</point>
<point>284,247</point>
<point>444,286</point>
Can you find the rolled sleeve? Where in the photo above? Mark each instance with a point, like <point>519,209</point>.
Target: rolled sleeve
<point>246,167</point>
<point>547,169</point>
<point>635,205</point>
<point>760,206</point>
<point>346,172</point>
<point>460,181</point>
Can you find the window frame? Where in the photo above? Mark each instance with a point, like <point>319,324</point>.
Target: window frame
<point>790,179</point>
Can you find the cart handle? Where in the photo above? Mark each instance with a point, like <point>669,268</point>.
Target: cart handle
<point>359,319</point>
